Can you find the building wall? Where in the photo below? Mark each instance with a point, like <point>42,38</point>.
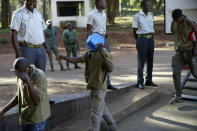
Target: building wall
<point>189,8</point>
<point>81,21</point>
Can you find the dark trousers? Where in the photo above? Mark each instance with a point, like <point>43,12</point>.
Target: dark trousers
<point>35,56</point>
<point>178,61</point>
<point>107,46</point>
<point>145,50</point>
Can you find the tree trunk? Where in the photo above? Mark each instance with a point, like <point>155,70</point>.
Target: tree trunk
<point>44,10</point>
<point>50,11</point>
<point>5,13</point>
<point>112,8</point>
<point>153,2</point>
<point>20,2</point>
<point>158,6</point>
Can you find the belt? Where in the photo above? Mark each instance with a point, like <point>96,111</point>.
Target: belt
<point>147,36</point>
<point>30,45</point>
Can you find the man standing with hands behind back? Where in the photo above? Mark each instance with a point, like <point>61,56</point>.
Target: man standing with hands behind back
<point>27,34</point>
<point>97,23</point>
<point>143,33</point>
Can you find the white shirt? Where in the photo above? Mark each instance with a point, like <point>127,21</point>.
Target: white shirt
<point>98,20</point>
<point>143,23</point>
<point>30,26</point>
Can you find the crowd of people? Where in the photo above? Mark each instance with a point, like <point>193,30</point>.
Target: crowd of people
<point>28,34</point>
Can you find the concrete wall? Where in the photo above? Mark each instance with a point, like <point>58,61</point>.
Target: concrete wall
<point>189,8</point>
<point>64,109</point>
<point>81,21</point>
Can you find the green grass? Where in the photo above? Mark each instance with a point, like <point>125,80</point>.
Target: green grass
<point>4,31</point>
<point>127,21</point>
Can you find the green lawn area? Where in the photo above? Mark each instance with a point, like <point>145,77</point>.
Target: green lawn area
<point>127,21</point>
<point>5,31</point>
<point>122,21</point>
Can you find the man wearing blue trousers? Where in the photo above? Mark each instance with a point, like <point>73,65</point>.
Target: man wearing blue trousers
<point>143,32</point>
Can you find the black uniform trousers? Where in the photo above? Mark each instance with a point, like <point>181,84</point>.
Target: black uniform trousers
<point>145,50</point>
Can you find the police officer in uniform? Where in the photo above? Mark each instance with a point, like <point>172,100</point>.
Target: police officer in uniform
<point>70,43</point>
<point>51,36</point>
<point>182,27</point>
<point>27,34</point>
<point>143,33</point>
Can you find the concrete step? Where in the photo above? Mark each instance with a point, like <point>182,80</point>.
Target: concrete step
<point>120,107</point>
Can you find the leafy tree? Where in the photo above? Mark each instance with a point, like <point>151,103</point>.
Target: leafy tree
<point>156,5</point>
<point>112,9</point>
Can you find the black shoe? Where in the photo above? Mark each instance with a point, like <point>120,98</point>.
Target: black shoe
<point>77,67</point>
<point>51,101</point>
<point>52,70</point>
<point>67,65</point>
<point>110,87</point>
<point>140,86</point>
<point>62,69</point>
<point>147,83</point>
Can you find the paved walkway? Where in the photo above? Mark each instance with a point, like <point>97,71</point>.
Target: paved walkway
<point>161,116</point>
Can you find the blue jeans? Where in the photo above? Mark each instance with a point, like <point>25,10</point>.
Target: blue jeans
<point>34,127</point>
<point>35,56</point>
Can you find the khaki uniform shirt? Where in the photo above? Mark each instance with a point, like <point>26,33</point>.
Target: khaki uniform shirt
<point>29,25</point>
<point>143,23</point>
<point>70,37</point>
<point>28,112</point>
<point>98,20</point>
<point>182,31</point>
<point>94,70</point>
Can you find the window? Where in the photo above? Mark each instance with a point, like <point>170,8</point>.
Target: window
<point>70,8</point>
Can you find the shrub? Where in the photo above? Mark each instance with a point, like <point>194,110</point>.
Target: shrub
<point>3,40</point>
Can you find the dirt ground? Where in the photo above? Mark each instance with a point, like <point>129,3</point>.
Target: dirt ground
<point>72,81</point>
<point>118,36</point>
<point>69,82</point>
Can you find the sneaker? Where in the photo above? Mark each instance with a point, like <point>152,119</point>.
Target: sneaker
<point>77,67</point>
<point>110,87</point>
<point>176,99</point>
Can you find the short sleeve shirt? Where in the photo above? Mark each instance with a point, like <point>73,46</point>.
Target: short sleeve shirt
<point>94,70</point>
<point>143,23</point>
<point>28,112</point>
<point>98,20</point>
<point>30,26</point>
